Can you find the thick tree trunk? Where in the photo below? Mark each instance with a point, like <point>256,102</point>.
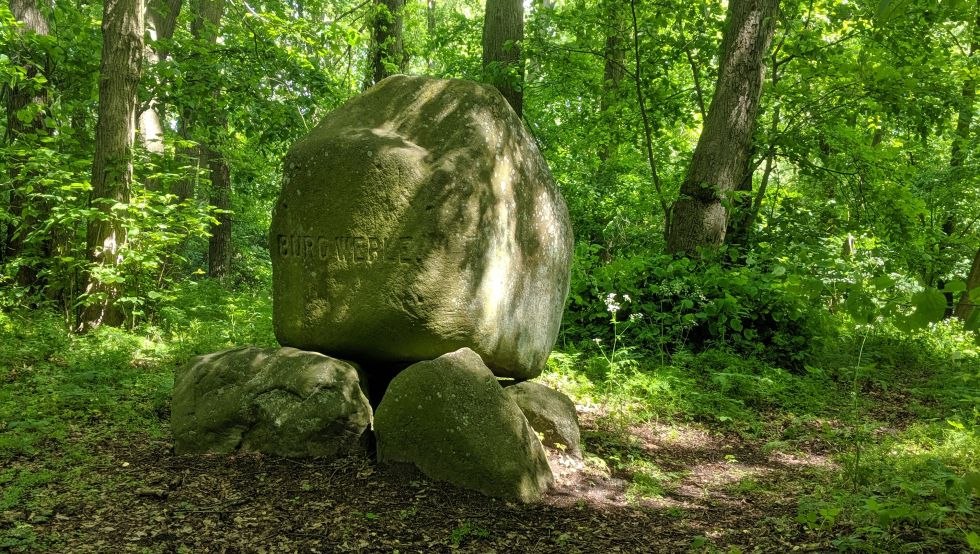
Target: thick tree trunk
<point>25,211</point>
<point>388,53</point>
<point>503,63</point>
<point>699,216</point>
<point>112,168</point>
<point>965,307</point>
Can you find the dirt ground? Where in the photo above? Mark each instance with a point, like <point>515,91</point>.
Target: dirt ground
<point>709,492</point>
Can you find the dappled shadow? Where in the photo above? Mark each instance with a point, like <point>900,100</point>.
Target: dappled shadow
<point>470,191</point>
<point>149,499</point>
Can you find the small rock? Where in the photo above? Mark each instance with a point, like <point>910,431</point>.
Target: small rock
<point>550,413</point>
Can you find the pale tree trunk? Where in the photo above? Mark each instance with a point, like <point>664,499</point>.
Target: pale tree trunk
<point>112,168</point>
<point>698,217</point>
<point>161,19</point>
<point>503,64</point>
<point>25,211</point>
<point>430,27</point>
<point>387,50</point>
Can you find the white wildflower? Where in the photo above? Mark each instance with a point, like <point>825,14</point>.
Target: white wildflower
<point>635,317</point>
<point>611,305</point>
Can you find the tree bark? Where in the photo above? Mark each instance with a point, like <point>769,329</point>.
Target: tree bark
<point>219,245</point>
<point>503,63</point>
<point>112,168</point>
<point>741,224</point>
<point>968,96</point>
<point>161,19</point>
<point>388,50</point>
<point>430,27</point>
<point>205,27</point>
<point>26,95</point>
<point>613,71</point>
<point>698,218</point>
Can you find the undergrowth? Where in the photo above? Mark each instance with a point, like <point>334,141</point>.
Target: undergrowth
<point>896,411</point>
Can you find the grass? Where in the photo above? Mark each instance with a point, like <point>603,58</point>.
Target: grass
<point>903,450</point>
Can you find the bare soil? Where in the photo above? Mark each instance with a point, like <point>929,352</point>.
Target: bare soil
<point>716,491</point>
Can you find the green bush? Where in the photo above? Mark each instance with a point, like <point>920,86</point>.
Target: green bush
<point>669,304</point>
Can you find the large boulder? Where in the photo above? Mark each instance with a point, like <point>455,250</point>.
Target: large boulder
<point>283,401</point>
<point>422,212</point>
<point>451,419</point>
<point>550,413</point>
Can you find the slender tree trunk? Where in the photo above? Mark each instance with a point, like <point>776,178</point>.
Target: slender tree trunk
<point>387,52</point>
<point>430,27</point>
<point>503,63</point>
<point>219,245</point>
<point>613,71</point>
<point>205,26</point>
<point>968,96</point>
<point>27,95</point>
<point>699,216</point>
<point>964,121</point>
<point>112,169</point>
<point>742,222</point>
<point>161,19</point>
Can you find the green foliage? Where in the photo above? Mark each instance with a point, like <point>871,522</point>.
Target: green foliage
<point>673,304</point>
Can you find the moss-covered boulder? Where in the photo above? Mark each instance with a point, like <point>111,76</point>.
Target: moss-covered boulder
<point>450,418</point>
<point>421,211</point>
<point>550,413</point>
<point>284,401</point>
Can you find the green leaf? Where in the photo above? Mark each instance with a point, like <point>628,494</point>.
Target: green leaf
<point>955,286</point>
<point>930,305</point>
<point>883,282</point>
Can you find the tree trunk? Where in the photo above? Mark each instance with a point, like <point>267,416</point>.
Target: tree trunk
<point>699,216</point>
<point>503,64</point>
<point>430,27</point>
<point>742,222</point>
<point>161,19</point>
<point>25,212</point>
<point>968,96</point>
<point>219,245</point>
<point>388,52</point>
<point>112,168</point>
<point>613,71</point>
<point>965,307</point>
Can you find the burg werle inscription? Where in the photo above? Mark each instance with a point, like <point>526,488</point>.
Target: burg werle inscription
<point>348,249</point>
<point>417,219</point>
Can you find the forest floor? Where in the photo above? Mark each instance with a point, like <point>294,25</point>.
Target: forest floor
<point>708,490</point>
<point>707,453</point>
